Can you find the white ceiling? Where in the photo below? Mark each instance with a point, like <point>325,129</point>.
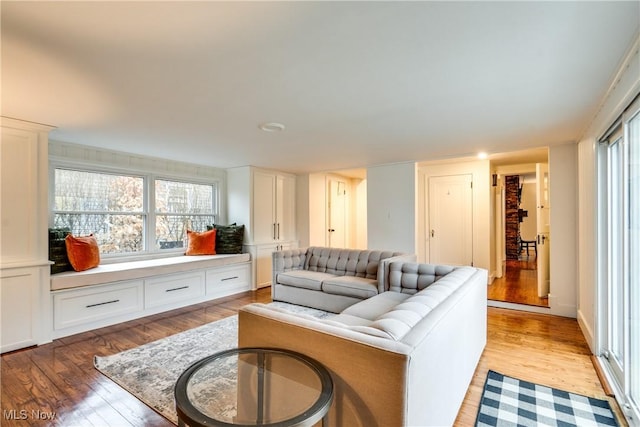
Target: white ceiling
<point>355,83</point>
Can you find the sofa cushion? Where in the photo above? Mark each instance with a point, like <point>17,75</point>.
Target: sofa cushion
<point>409,277</point>
<point>348,320</point>
<point>350,286</point>
<point>393,314</point>
<point>376,306</point>
<point>303,279</point>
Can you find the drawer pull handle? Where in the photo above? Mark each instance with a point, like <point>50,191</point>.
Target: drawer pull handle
<point>177,289</point>
<point>228,278</point>
<point>103,303</point>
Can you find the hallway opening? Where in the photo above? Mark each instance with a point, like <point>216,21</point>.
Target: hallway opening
<point>519,282</point>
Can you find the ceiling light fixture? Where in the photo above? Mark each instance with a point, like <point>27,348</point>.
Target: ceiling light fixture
<point>482,155</point>
<point>271,127</point>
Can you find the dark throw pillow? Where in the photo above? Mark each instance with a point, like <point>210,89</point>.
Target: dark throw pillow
<point>58,250</point>
<point>228,238</point>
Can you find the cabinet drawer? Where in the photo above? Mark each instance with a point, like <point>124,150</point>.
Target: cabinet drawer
<point>167,290</point>
<point>223,280</point>
<point>80,306</point>
<point>227,276</point>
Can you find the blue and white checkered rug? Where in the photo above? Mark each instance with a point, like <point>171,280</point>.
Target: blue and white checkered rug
<point>508,401</point>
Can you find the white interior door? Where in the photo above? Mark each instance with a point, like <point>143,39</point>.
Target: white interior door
<point>337,223</point>
<point>450,220</point>
<point>542,227</point>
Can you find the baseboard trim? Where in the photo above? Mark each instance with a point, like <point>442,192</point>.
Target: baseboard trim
<point>602,377</point>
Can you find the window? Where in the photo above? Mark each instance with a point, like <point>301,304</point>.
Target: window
<point>131,214</point>
<point>633,281</point>
<point>109,206</point>
<point>620,231</point>
<point>181,206</point>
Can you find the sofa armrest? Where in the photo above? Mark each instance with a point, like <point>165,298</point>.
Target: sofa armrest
<point>369,373</point>
<point>291,259</point>
<point>383,269</point>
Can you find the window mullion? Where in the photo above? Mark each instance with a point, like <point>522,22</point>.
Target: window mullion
<point>150,206</point>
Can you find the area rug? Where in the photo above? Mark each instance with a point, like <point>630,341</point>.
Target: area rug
<point>150,371</point>
<point>508,401</point>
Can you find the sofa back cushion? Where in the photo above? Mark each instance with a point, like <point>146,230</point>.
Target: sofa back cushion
<point>411,278</point>
<point>345,262</point>
<point>400,318</point>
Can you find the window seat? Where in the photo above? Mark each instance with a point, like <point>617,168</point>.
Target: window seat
<point>137,269</point>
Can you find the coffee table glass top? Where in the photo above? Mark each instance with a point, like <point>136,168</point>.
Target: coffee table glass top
<point>254,386</point>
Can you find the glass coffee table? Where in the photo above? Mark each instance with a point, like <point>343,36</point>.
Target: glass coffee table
<point>254,387</point>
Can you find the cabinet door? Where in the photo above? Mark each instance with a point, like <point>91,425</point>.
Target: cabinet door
<point>19,308</point>
<point>22,197</point>
<point>264,206</point>
<point>264,264</point>
<point>285,208</point>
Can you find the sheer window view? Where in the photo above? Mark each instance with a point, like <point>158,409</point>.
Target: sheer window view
<point>181,206</point>
<point>112,208</point>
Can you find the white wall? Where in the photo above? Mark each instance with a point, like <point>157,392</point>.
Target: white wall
<point>302,210</point>
<point>624,87</point>
<point>528,229</point>
<point>587,238</point>
<point>360,214</point>
<point>563,243</point>
<point>391,207</point>
<point>311,209</point>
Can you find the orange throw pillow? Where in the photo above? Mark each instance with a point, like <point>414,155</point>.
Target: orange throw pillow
<point>83,252</point>
<point>203,243</point>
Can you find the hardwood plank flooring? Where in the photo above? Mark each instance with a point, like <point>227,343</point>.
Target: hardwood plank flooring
<point>518,284</point>
<point>540,348</point>
<point>59,379</point>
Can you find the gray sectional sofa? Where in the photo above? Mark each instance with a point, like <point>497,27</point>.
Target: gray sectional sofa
<point>330,279</point>
<point>402,357</point>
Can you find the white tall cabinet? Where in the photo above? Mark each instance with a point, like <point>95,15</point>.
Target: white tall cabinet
<point>263,200</point>
<point>25,309</point>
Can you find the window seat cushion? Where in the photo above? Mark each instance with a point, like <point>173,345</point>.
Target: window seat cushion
<point>106,273</point>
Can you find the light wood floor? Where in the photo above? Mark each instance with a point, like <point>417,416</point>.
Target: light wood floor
<point>60,378</point>
<point>518,284</point>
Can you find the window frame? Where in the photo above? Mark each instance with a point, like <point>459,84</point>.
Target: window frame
<point>153,211</point>
<point>149,205</point>
<point>615,231</point>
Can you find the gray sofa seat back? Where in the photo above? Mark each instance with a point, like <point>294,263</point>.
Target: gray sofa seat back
<point>345,262</point>
<point>292,259</point>
<point>398,320</point>
<point>411,278</point>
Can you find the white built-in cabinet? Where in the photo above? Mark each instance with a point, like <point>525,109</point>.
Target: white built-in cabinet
<point>24,266</point>
<point>263,200</point>
<point>85,308</point>
<point>273,207</point>
<point>264,259</point>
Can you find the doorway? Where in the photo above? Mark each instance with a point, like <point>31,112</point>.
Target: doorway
<point>337,218</point>
<point>523,230</point>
